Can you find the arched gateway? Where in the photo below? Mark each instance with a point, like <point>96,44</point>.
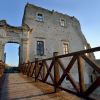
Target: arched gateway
<point>10,34</point>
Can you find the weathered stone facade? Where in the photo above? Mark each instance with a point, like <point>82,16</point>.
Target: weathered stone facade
<point>52,28</point>
<point>10,34</point>
<point>51,32</point>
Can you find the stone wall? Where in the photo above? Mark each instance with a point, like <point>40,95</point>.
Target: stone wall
<point>54,35</point>
<point>51,32</point>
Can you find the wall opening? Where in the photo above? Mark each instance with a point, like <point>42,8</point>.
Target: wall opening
<point>11,54</point>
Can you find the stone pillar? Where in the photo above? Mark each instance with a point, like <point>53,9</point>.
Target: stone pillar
<point>25,50</point>
<point>1,51</point>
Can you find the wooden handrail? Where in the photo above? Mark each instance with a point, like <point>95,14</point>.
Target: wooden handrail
<point>51,70</point>
<point>75,53</point>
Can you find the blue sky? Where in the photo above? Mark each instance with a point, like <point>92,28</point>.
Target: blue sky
<point>12,53</point>
<point>86,11</point>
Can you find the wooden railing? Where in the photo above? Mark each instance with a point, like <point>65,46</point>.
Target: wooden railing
<point>58,71</point>
<point>2,67</point>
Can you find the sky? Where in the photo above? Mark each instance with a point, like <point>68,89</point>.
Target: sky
<point>86,11</point>
<point>12,54</point>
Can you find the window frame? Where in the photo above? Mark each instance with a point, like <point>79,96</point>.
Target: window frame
<point>38,18</point>
<point>62,22</point>
<point>38,49</point>
<point>85,48</point>
<point>65,49</point>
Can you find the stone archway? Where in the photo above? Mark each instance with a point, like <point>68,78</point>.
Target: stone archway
<point>14,35</point>
<point>12,54</point>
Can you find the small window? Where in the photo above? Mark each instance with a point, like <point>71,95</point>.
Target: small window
<point>85,49</point>
<point>40,48</point>
<point>39,17</point>
<point>62,22</point>
<point>65,48</point>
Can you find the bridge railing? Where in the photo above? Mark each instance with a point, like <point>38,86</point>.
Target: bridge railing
<point>2,67</point>
<point>58,71</point>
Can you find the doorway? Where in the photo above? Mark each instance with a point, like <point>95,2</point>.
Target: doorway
<point>11,56</point>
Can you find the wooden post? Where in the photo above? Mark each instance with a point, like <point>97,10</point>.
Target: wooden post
<point>23,68</point>
<point>2,67</point>
<point>43,70</point>
<point>36,68</point>
<point>29,69</point>
<point>56,71</point>
<point>81,74</point>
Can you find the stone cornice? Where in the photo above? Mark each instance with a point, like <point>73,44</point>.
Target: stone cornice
<point>9,28</point>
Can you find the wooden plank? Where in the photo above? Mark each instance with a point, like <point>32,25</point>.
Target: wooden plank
<point>36,67</point>
<point>26,66</point>
<point>93,87</point>
<point>48,71</point>
<point>73,82</point>
<point>90,62</point>
<point>56,71</point>
<point>76,53</point>
<point>79,52</point>
<point>33,69</point>
<point>39,71</point>
<point>61,64</point>
<point>69,76</point>
<point>44,70</point>
<point>71,63</point>
<point>67,70</point>
<point>20,87</point>
<point>81,74</point>
<point>30,65</point>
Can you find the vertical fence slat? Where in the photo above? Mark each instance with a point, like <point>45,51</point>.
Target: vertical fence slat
<point>56,71</point>
<point>81,74</point>
<point>36,68</point>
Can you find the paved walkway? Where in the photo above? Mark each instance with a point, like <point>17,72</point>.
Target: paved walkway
<point>19,87</point>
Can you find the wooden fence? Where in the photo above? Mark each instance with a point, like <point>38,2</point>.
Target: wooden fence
<point>2,67</point>
<point>55,71</point>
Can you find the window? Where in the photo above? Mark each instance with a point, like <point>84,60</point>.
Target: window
<point>40,48</point>
<point>62,22</point>
<point>85,49</point>
<point>39,17</point>
<point>65,48</point>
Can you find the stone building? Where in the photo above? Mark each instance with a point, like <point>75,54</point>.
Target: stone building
<point>53,31</point>
<point>42,33</point>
